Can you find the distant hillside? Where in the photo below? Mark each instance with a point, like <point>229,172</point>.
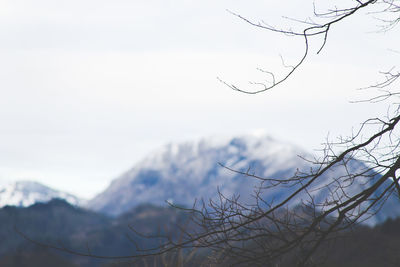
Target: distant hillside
<point>57,222</point>
<point>55,219</point>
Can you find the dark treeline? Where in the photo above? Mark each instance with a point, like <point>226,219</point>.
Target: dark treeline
<point>58,223</point>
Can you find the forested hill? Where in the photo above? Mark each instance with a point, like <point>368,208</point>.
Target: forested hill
<point>61,224</point>
<point>57,222</point>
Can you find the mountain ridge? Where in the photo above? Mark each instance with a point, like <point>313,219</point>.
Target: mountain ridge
<point>182,173</point>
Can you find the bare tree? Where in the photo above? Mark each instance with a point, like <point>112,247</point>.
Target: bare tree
<point>271,233</point>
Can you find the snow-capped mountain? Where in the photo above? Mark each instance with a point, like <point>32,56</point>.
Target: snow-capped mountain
<point>26,193</point>
<point>181,173</point>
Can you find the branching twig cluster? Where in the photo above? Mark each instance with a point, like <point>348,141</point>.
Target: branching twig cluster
<point>312,30</point>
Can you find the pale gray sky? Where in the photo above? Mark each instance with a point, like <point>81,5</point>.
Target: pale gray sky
<point>87,88</point>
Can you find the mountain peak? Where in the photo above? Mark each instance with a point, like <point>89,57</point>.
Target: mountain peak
<point>26,193</point>
<point>182,172</point>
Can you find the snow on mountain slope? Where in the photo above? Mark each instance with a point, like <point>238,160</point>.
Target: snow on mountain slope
<point>181,173</point>
<point>26,193</point>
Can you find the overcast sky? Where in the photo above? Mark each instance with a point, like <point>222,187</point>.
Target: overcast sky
<point>88,88</point>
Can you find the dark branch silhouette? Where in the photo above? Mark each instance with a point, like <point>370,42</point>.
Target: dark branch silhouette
<point>289,231</point>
